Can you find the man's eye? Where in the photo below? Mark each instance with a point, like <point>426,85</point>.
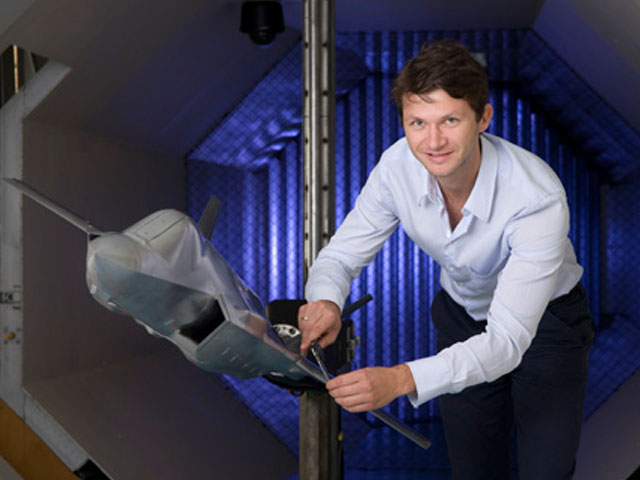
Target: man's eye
<point>417,123</point>
<point>451,121</point>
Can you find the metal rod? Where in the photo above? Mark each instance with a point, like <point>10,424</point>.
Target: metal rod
<point>320,431</point>
<point>352,307</point>
<point>381,415</point>
<point>401,428</point>
<point>318,126</point>
<point>56,208</point>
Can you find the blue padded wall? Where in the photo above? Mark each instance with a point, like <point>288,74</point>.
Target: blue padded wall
<point>252,161</point>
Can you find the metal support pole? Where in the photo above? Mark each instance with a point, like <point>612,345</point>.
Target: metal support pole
<point>320,431</point>
<point>318,121</point>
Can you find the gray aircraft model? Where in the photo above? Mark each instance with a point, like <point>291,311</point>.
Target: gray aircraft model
<point>164,273</point>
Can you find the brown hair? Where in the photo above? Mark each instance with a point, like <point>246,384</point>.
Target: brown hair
<point>447,65</point>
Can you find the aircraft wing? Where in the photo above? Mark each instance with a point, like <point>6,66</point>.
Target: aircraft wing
<point>56,208</point>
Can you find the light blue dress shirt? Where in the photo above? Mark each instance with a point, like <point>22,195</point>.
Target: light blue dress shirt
<point>506,259</point>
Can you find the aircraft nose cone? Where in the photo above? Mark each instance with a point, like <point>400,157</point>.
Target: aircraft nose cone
<point>119,252</point>
<point>116,248</point>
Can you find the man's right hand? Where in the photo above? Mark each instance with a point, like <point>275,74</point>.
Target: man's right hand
<point>319,321</point>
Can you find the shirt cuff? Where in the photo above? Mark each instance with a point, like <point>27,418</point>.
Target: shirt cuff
<point>320,292</point>
<point>432,377</point>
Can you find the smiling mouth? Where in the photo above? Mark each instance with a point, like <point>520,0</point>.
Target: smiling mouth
<point>438,156</point>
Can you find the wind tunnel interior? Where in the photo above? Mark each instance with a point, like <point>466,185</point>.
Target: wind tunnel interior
<point>539,102</point>
<point>109,384</point>
<point>109,143</point>
<point>112,153</point>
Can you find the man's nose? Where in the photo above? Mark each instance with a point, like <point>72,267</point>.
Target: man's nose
<point>435,139</point>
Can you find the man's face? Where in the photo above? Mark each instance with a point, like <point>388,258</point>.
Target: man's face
<point>442,133</point>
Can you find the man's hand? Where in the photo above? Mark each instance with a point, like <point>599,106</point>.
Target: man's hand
<point>371,388</point>
<point>318,321</point>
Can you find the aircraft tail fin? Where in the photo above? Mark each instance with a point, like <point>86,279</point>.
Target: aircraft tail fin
<point>54,207</point>
<point>208,219</point>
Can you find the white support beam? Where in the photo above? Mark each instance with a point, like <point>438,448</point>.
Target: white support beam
<point>12,115</point>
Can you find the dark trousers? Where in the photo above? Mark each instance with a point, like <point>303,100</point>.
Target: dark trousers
<point>543,397</point>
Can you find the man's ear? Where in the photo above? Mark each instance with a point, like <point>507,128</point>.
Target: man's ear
<point>483,124</point>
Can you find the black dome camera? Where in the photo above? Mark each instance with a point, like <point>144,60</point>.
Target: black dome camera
<point>262,21</point>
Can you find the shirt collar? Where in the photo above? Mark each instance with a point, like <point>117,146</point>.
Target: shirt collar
<point>433,189</point>
<point>480,201</point>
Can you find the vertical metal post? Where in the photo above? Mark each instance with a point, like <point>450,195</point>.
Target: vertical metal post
<point>318,126</point>
<point>320,431</point>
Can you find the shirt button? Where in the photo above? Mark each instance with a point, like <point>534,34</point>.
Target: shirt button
<point>450,269</point>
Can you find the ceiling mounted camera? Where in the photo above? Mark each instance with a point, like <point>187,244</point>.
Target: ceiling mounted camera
<point>262,21</point>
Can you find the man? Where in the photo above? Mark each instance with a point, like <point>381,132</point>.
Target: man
<point>512,319</point>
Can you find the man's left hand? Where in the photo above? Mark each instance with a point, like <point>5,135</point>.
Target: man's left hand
<point>371,388</point>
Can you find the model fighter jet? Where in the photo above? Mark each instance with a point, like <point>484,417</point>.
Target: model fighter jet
<point>164,272</point>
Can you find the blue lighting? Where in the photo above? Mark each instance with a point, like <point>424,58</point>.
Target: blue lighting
<point>252,161</point>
